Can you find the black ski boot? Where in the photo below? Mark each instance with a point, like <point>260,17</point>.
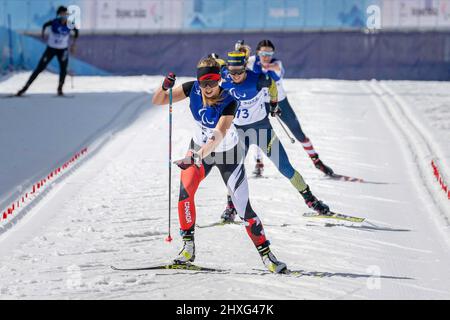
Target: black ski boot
<point>259,168</point>
<point>230,212</point>
<point>319,165</point>
<point>313,203</point>
<point>229,215</point>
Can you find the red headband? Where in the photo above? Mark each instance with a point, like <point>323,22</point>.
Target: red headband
<point>210,76</point>
<point>208,73</point>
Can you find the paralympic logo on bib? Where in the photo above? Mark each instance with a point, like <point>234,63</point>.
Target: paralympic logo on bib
<point>237,95</point>
<point>205,120</point>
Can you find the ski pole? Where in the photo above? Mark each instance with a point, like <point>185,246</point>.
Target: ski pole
<point>169,237</point>
<point>71,79</point>
<point>69,69</point>
<point>285,130</point>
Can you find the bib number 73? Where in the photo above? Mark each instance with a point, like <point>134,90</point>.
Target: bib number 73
<point>242,112</point>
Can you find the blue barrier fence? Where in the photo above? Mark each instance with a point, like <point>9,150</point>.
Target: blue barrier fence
<point>342,55</point>
<point>338,55</point>
<point>11,54</point>
<point>21,52</point>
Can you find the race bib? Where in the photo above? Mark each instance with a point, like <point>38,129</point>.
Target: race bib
<point>251,111</point>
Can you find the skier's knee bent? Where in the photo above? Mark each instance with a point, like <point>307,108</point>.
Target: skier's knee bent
<point>282,163</point>
<point>255,231</point>
<point>287,170</point>
<point>277,154</point>
<point>252,223</point>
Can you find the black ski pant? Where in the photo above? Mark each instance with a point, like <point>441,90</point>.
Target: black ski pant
<point>63,58</point>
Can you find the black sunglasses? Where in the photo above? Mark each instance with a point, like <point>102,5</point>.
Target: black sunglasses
<point>237,72</point>
<point>208,83</point>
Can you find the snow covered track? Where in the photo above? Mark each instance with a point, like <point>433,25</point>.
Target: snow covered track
<point>113,211</point>
<point>423,149</point>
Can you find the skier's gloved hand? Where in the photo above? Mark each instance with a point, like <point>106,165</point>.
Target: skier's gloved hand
<point>169,81</point>
<point>274,109</point>
<point>238,44</point>
<point>213,55</point>
<point>192,159</point>
<point>242,47</point>
<point>216,57</point>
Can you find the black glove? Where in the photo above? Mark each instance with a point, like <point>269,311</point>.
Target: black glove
<point>274,109</point>
<point>238,45</point>
<point>169,81</point>
<point>216,57</point>
<point>190,160</point>
<point>213,55</point>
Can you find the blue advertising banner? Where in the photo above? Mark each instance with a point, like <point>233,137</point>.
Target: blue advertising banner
<point>149,16</point>
<point>277,14</point>
<point>127,37</point>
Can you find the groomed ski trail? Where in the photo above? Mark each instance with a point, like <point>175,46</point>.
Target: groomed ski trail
<point>113,211</point>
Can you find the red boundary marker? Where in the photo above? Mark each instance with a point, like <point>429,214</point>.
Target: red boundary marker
<point>439,179</point>
<point>40,184</point>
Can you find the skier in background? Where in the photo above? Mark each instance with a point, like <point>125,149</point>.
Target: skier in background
<point>264,62</point>
<point>215,144</point>
<point>57,45</point>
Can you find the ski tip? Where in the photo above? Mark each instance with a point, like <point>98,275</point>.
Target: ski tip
<point>258,177</point>
<point>335,216</point>
<point>219,224</point>
<point>172,266</point>
<point>341,177</point>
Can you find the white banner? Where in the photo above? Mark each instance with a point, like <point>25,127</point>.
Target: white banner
<point>133,15</point>
<point>416,14</point>
<point>175,15</point>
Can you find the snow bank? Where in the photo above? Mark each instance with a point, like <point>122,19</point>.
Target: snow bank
<point>41,132</point>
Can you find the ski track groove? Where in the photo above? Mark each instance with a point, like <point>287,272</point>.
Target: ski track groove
<point>407,127</point>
